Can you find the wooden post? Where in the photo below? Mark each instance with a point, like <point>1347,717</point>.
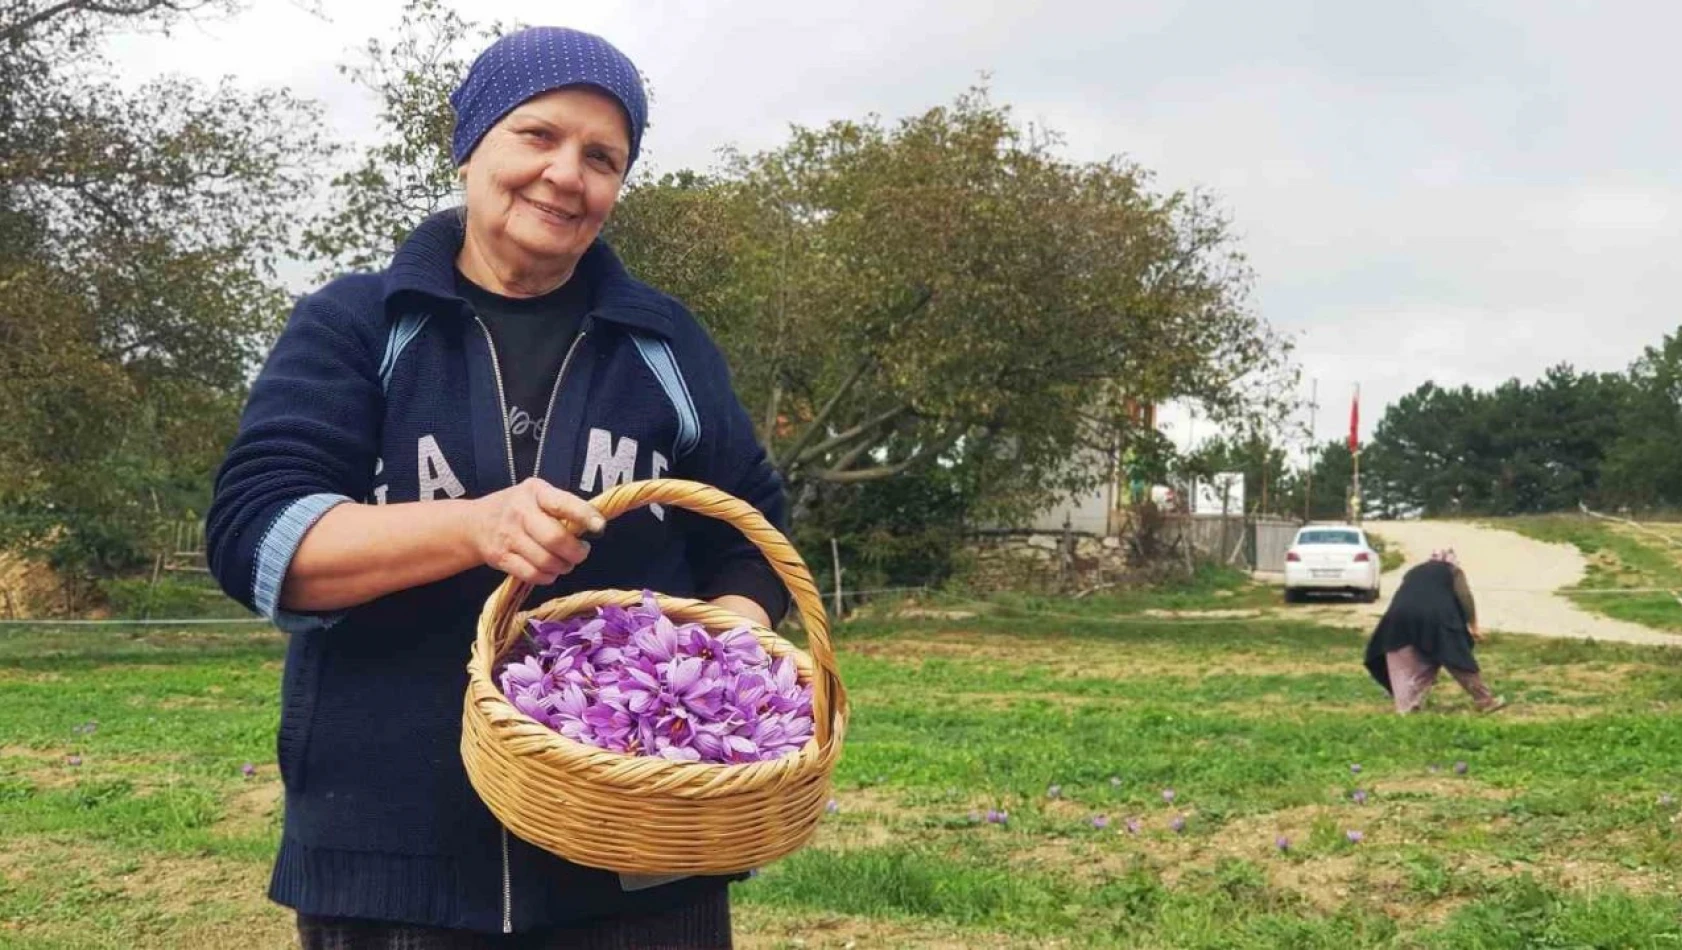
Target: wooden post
<point>835,560</point>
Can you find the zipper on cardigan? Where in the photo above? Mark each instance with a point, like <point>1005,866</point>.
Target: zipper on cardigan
<point>501,400</point>
<point>549,409</point>
<point>513,479</point>
<point>507,889</point>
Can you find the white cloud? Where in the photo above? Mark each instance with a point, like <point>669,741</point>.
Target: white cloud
<point>1427,190</point>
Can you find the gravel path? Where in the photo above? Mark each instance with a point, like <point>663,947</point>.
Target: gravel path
<point>1514,579</point>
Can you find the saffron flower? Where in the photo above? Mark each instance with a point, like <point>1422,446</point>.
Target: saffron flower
<point>1359,796</point>
<point>1282,843</point>
<point>1100,822</point>
<point>1460,768</point>
<point>248,770</point>
<point>1055,791</point>
<point>630,680</point>
<point>1133,826</point>
<point>1168,796</point>
<point>1178,825</point>
<point>1355,837</point>
<point>1355,768</point>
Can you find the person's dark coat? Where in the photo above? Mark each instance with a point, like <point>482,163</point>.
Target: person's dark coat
<point>1427,615</point>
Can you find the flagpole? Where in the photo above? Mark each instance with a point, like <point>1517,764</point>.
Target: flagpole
<point>1355,446</point>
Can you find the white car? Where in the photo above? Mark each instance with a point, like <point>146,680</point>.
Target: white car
<point>1331,558</point>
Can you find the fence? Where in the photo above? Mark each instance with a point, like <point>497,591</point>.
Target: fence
<point>1270,539</point>
<point>1256,543</point>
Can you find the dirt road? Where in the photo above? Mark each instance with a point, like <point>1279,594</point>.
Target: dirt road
<point>1514,579</point>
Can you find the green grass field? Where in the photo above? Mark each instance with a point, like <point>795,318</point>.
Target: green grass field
<point>1619,558</point>
<point>1562,831</point>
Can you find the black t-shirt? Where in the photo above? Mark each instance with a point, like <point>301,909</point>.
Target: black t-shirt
<point>531,336</point>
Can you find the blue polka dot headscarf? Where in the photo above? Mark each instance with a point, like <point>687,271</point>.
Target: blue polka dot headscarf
<point>535,61</point>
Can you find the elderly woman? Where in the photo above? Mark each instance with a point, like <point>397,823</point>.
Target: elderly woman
<point>419,433</point>
<point>1432,623</point>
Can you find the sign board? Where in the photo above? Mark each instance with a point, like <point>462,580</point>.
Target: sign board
<point>1222,494</point>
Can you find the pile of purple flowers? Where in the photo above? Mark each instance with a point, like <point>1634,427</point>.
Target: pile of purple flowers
<point>629,680</point>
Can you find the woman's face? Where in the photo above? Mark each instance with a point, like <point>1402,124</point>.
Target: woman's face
<point>542,181</point>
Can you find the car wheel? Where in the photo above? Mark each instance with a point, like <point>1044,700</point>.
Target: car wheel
<point>1293,596</point>
<point>1372,596</point>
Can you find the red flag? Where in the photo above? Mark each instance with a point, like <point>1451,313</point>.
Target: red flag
<point>1355,422</point>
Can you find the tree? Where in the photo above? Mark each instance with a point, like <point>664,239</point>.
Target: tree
<point>893,296</point>
<point>410,173</point>
<point>1268,484</point>
<point>138,234</point>
<point>1642,468</point>
<point>1519,448</point>
<point>945,288</point>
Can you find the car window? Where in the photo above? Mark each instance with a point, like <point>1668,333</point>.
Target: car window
<point>1329,537</point>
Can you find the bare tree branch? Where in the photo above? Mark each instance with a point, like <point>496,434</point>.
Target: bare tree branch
<point>865,428</point>
<point>13,32</point>
<point>854,476</point>
<point>818,422</point>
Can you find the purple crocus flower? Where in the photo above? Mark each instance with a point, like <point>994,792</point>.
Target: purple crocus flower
<point>695,686</point>
<point>658,642</point>
<point>1282,843</point>
<point>832,806</point>
<point>570,706</point>
<point>1168,796</point>
<point>1100,822</point>
<point>997,817</point>
<point>1355,837</point>
<point>1460,768</point>
<point>1355,768</point>
<point>1359,796</point>
<point>1178,825</point>
<point>630,680</point>
<point>523,675</point>
<point>73,760</point>
<point>611,728</point>
<point>679,753</point>
<point>1055,791</point>
<point>1133,826</point>
<point>785,687</point>
<point>248,770</point>
<point>532,702</point>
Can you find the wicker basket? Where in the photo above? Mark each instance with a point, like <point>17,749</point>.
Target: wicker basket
<point>640,814</point>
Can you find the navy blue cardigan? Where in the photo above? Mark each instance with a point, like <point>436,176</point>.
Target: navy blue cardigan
<point>383,389</point>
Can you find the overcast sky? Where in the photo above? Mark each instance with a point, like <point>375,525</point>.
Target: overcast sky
<point>1463,192</point>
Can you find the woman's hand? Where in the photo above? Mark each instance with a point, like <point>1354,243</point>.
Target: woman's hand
<point>744,607</point>
<point>530,531</point>
<point>1477,634</point>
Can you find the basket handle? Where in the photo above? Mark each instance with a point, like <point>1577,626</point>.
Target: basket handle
<point>706,500</point>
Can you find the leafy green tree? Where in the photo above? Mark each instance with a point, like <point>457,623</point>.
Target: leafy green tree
<point>1519,448</point>
<point>138,237</point>
<point>1643,467</point>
